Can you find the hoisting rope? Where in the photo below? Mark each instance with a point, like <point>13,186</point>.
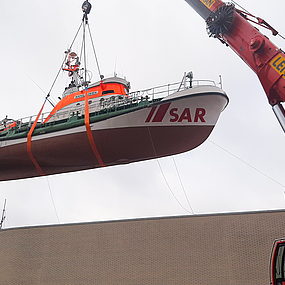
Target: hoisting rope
<point>86,9</point>
<point>154,150</point>
<point>240,6</point>
<point>29,141</point>
<point>260,22</point>
<point>87,118</point>
<point>93,46</point>
<point>89,132</point>
<point>66,55</point>
<point>29,137</point>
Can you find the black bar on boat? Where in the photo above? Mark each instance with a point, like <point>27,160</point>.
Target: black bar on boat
<point>200,7</point>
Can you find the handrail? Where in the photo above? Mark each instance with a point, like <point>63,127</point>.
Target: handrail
<point>167,89</point>
<point>134,97</point>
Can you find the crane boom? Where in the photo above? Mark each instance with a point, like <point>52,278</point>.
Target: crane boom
<point>232,27</point>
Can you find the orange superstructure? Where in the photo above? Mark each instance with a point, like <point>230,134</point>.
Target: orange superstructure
<point>75,92</point>
<point>111,87</point>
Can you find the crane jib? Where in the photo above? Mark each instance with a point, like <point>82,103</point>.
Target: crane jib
<point>233,28</point>
<point>202,7</point>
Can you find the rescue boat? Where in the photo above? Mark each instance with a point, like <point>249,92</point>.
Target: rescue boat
<point>104,124</point>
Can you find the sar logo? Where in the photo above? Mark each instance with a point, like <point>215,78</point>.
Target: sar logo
<point>184,115</point>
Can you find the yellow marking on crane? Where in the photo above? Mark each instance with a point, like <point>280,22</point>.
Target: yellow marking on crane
<point>278,63</point>
<point>208,3</point>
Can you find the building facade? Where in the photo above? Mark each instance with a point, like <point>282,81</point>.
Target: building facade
<point>221,249</point>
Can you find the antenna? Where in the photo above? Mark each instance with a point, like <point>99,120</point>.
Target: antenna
<point>221,84</point>
<point>3,216</point>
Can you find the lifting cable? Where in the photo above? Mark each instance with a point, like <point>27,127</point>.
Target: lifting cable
<point>192,212</point>
<point>240,6</point>
<point>171,189</point>
<point>29,141</point>
<point>280,184</point>
<point>93,46</point>
<point>87,117</point>
<point>182,186</point>
<point>29,137</point>
<point>85,19</point>
<point>89,132</point>
<point>94,52</point>
<point>66,54</point>
<point>281,37</point>
<point>254,17</point>
<point>51,102</point>
<point>84,51</point>
<point>53,201</point>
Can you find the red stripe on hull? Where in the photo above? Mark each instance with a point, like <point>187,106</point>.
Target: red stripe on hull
<point>73,152</point>
<point>161,113</point>
<point>150,114</point>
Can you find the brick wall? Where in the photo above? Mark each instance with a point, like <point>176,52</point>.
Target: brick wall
<point>225,249</point>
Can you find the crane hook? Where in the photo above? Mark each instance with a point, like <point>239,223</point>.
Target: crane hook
<point>86,7</point>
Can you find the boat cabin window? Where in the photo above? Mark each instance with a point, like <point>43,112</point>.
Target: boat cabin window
<point>108,92</point>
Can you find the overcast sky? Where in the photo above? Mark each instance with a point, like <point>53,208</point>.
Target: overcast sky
<point>151,42</point>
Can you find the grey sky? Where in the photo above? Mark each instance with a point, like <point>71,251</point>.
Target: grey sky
<point>151,42</point>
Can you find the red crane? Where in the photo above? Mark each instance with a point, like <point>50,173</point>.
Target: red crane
<point>233,27</point>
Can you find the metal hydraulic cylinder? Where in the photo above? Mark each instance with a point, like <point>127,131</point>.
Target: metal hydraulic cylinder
<point>280,114</point>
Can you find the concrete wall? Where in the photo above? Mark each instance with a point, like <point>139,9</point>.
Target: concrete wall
<point>226,249</point>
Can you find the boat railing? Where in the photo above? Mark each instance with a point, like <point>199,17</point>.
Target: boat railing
<point>168,89</point>
<point>116,102</point>
<point>28,121</point>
